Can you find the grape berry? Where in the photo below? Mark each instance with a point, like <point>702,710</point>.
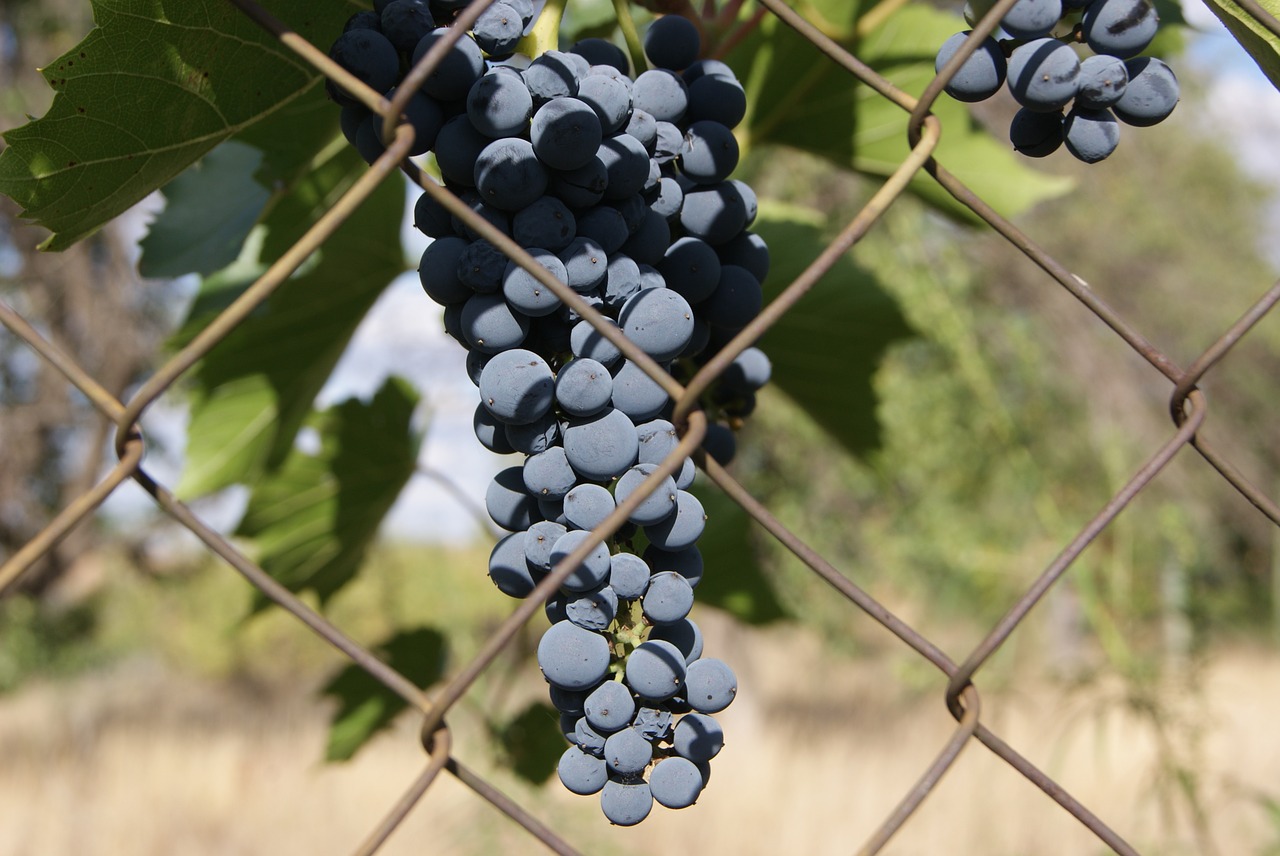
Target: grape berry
<point>619,187</point>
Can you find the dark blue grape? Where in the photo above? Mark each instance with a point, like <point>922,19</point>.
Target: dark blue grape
<point>405,22</point>
<point>657,506</point>
<point>685,635</point>
<point>1151,94</point>
<point>672,42</point>
<point>509,504</point>
<point>508,568</point>
<point>587,505</point>
<point>636,394</point>
<point>621,281</point>
<point>601,447</point>
<point>626,165</point>
<point>593,610</point>
<point>654,723</point>
<point>649,241</point>
<point>710,686</point>
<point>369,56</point>
<point>594,570</point>
<point>747,250</point>
<point>1120,28</point>
<point>609,98</point>
<point>457,146</point>
<point>710,152</point>
<point>498,29</point>
<point>489,325</point>
<point>625,803</point>
<point>547,223</point>
<point>586,264</point>
<point>499,104</point>
<point>583,387</point>
<point>581,773</point>
<point>573,658</point>
<point>462,66</point>
<point>490,432</point>
<point>715,213</point>
<point>430,217</point>
<point>682,529</point>
<point>627,752</point>
<point>604,225</point>
<point>1102,81</point>
<point>610,707</point>
<point>737,299</point>
<point>533,438</point>
<point>1035,134</point>
<point>668,144</point>
<point>525,292</point>
<point>424,115</point>
<point>655,670</point>
<point>587,341</point>
<point>687,562</point>
<point>1091,135</point>
<point>565,133</point>
<point>718,99</point>
<point>662,94</point>
<point>551,75</point>
<point>1044,75</point>
<point>675,782</point>
<point>539,541</point>
<point>601,52</point>
<point>659,321</point>
<point>982,73</point>
<point>1031,19</point>
<point>628,575</point>
<point>668,598</point>
<point>581,187</point>
<point>698,737</point>
<point>509,175</point>
<point>481,266</point>
<point>517,386</point>
<point>438,271</point>
<point>644,128</point>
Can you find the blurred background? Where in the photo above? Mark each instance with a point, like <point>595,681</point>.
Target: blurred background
<point>148,705</point>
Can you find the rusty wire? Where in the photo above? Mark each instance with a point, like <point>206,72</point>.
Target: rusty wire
<point>1187,407</point>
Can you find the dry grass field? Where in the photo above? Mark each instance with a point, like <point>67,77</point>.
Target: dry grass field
<point>143,759</point>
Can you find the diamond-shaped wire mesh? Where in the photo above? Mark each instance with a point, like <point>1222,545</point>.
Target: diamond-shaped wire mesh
<point>1187,408</point>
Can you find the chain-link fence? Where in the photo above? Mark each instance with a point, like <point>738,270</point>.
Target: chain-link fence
<point>1187,408</point>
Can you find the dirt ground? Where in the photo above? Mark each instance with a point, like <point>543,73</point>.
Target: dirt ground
<point>141,760</point>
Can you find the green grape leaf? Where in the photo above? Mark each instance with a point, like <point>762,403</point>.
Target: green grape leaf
<point>1260,43</point>
<point>210,210</point>
<point>826,350</point>
<point>254,389</point>
<point>314,518</point>
<point>532,742</point>
<point>153,87</point>
<point>797,97</point>
<point>366,706</point>
<point>734,579</point>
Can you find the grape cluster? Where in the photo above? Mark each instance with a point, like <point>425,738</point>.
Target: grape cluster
<point>1046,75</point>
<point>619,187</point>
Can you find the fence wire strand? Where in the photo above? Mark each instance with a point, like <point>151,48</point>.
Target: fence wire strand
<point>1187,407</point>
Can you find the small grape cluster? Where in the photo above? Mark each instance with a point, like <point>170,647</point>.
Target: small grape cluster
<point>620,189</point>
<point>1045,74</point>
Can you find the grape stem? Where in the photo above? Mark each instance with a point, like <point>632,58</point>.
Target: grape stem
<point>629,32</point>
<point>545,35</point>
